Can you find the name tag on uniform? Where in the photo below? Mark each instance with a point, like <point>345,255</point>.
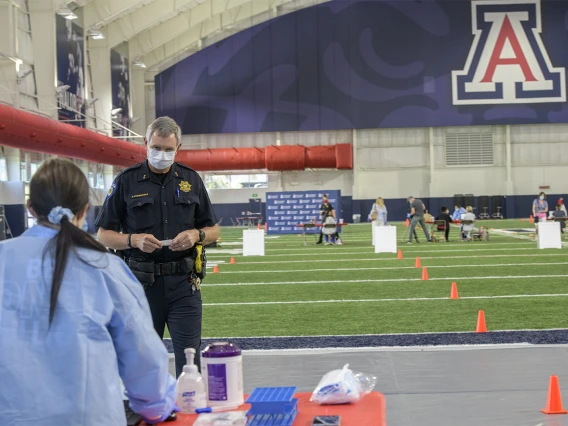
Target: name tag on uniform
<point>166,243</point>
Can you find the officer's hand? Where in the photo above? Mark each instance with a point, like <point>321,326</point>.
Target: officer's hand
<point>185,240</point>
<point>146,242</point>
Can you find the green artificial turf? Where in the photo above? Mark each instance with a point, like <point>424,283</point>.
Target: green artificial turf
<point>298,290</point>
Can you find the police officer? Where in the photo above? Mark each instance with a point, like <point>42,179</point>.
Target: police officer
<point>153,202</point>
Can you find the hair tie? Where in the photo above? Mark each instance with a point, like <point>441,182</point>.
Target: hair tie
<point>58,213</point>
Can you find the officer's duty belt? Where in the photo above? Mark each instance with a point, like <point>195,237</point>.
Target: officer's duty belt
<point>183,266</point>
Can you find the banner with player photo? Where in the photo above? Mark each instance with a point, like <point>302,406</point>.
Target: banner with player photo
<point>120,82</point>
<point>70,71</point>
<point>286,210</point>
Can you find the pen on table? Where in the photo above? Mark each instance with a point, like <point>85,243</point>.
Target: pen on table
<point>215,409</point>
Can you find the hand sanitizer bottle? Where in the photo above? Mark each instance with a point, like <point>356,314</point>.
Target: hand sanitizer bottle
<point>190,386</point>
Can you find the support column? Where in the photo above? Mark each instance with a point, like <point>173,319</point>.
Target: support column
<point>432,162</point>
<point>510,189</point>
<point>355,166</point>
<point>84,166</point>
<point>138,99</point>
<point>42,19</point>
<point>108,175</point>
<point>101,82</point>
<point>13,164</point>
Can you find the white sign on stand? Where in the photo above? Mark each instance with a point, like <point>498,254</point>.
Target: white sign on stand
<point>385,239</point>
<point>548,235</point>
<point>253,242</point>
<point>373,224</point>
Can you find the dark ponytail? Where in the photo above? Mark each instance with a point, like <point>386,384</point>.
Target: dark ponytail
<point>60,183</point>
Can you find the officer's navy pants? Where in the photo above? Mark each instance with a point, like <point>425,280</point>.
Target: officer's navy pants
<point>173,302</point>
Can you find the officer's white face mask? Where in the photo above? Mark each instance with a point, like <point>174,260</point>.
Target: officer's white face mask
<point>161,160</point>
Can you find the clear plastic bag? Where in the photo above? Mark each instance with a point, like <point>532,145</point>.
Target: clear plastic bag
<point>343,387</point>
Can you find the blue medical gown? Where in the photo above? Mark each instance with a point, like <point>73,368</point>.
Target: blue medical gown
<point>69,374</point>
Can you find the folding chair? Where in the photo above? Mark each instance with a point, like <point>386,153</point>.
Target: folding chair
<point>233,222</point>
<point>561,220</point>
<point>439,226</point>
<point>309,226</point>
<point>330,226</point>
<point>463,230</point>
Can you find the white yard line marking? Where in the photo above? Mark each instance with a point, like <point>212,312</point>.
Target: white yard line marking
<point>394,259</point>
<point>486,265</point>
<point>392,280</point>
<point>410,299</point>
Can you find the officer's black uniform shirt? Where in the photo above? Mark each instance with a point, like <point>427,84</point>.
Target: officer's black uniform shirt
<point>142,202</point>
<point>326,209</point>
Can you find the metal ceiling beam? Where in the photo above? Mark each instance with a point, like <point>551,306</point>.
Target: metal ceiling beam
<point>99,13</point>
<point>145,18</point>
<point>220,27</point>
<point>184,22</point>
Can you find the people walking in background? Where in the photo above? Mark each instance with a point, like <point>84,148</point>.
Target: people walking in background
<point>379,212</point>
<point>540,208</point>
<point>417,209</point>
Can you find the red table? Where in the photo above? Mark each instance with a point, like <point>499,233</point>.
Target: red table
<point>370,411</point>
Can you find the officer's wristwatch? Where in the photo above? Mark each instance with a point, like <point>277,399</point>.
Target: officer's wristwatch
<point>201,235</point>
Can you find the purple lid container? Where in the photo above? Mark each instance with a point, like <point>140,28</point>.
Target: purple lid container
<point>221,350</point>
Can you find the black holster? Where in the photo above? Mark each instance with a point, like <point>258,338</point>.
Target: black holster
<point>143,270</point>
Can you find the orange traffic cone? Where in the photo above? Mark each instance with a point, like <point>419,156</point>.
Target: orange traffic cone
<point>481,326</point>
<point>265,226</point>
<point>454,292</point>
<point>399,254</point>
<point>531,219</point>
<point>232,262</point>
<point>258,226</point>
<point>215,269</point>
<point>554,400</point>
<point>407,223</point>
<point>417,263</point>
<point>424,274</point>
<point>523,219</point>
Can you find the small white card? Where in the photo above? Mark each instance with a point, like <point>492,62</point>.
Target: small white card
<point>166,243</point>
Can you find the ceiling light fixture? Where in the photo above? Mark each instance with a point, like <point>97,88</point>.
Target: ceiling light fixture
<point>138,63</point>
<point>95,34</point>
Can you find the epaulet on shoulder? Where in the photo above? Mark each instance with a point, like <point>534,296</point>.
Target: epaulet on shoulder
<point>185,167</point>
<point>134,167</point>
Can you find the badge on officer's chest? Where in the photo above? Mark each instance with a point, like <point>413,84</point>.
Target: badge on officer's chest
<point>185,186</point>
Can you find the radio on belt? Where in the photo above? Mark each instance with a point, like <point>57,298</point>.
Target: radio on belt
<point>222,368</point>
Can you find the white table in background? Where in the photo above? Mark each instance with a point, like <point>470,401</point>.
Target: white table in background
<point>385,239</point>
<point>253,242</point>
<point>548,235</point>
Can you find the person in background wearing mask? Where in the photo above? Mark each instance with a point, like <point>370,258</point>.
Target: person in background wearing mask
<point>158,212</point>
<point>458,212</point>
<point>74,320</point>
<point>562,206</point>
<point>540,207</point>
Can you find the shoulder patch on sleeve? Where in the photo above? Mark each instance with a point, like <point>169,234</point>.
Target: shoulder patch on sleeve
<point>111,190</point>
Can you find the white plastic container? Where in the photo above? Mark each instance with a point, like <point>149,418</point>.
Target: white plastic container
<point>190,386</point>
<point>222,366</point>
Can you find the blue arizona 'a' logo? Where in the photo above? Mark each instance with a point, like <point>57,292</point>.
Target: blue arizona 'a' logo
<point>507,62</point>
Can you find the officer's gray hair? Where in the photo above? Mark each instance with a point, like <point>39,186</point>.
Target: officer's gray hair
<point>163,127</point>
